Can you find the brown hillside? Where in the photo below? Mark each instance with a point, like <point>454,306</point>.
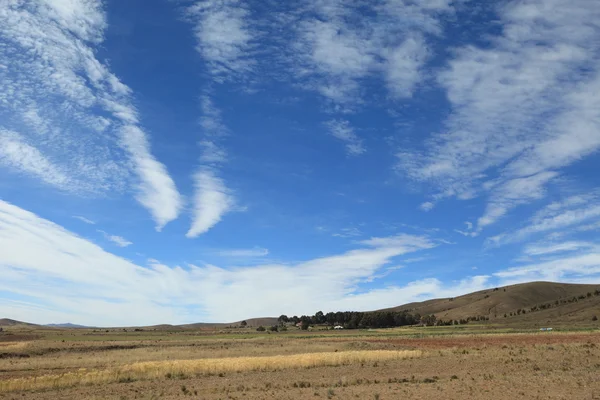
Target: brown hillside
<point>494,303</point>
<point>12,322</point>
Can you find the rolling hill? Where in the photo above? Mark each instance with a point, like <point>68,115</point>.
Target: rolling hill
<point>11,322</point>
<point>529,304</point>
<point>538,302</point>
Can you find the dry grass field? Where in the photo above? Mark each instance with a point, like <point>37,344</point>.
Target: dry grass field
<point>404,363</point>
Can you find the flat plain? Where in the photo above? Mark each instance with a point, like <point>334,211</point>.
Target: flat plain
<point>470,362</point>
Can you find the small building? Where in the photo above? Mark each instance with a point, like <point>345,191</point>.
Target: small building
<point>338,327</point>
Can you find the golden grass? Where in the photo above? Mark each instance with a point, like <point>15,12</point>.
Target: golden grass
<point>186,368</point>
<point>13,345</point>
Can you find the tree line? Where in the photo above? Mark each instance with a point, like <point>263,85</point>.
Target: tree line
<point>556,303</point>
<point>360,320</point>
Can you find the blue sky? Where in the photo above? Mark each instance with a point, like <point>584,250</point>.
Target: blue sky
<point>184,161</point>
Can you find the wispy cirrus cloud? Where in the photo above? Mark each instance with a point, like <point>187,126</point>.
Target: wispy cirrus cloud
<point>545,248</point>
<point>582,268</point>
<point>575,212</point>
<point>118,240</point>
<point>342,130</point>
<point>224,35</point>
<point>348,232</point>
<point>346,42</point>
<point>542,117</point>
<point>16,154</point>
<point>84,220</point>
<point>212,200</point>
<point>61,99</point>
<point>243,253</point>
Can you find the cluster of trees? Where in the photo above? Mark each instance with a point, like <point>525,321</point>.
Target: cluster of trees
<point>556,303</point>
<point>357,320</point>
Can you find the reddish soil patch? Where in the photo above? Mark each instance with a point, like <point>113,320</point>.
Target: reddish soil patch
<point>491,340</point>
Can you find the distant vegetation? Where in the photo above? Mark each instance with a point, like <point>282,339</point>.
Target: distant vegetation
<point>375,319</point>
<point>555,303</point>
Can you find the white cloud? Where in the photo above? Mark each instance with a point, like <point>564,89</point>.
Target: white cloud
<point>118,240</point>
<point>543,114</point>
<point>348,232</point>
<point>212,200</point>
<point>342,130</point>
<point>60,97</point>
<point>569,213</point>
<point>16,154</point>
<point>551,248</point>
<point>244,253</point>
<point>581,266</point>
<point>512,193</point>
<point>156,189</point>
<point>84,219</point>
<point>427,206</point>
<point>57,270</point>
<point>223,36</point>
<point>345,44</point>
<point>404,66</point>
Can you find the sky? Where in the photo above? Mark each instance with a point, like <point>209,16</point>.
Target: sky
<point>166,161</point>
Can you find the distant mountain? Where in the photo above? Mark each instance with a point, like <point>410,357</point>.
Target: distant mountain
<point>542,303</point>
<point>66,325</point>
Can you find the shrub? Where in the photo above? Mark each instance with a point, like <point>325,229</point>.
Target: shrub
<point>594,318</point>
<point>261,329</point>
<point>273,328</point>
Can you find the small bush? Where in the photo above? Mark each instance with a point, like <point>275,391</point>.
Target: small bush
<point>261,329</point>
<point>594,318</point>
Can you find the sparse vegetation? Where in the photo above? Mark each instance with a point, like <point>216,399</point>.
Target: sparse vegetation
<point>157,369</point>
<point>233,363</point>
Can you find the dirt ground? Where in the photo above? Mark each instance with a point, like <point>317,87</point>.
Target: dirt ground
<point>549,365</point>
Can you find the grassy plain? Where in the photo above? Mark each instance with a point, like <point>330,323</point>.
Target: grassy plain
<point>470,362</point>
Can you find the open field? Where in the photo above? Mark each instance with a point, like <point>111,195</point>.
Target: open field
<point>437,362</point>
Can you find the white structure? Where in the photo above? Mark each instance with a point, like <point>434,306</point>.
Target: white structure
<point>338,327</point>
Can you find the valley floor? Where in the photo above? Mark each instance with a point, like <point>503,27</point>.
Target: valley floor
<point>386,364</point>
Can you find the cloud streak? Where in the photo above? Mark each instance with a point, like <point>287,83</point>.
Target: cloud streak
<point>341,129</point>
<point>212,200</point>
<point>62,99</point>
<point>42,255</point>
<point>543,115</point>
